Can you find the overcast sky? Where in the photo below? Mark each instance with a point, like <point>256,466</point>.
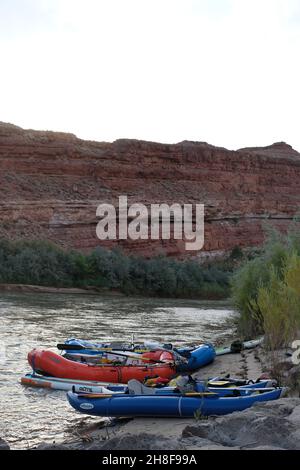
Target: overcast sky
<point>222,71</point>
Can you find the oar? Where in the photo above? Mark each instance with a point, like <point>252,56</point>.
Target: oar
<point>78,347</point>
<point>149,345</point>
<point>100,349</point>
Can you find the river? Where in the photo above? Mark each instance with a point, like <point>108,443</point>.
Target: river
<point>28,415</point>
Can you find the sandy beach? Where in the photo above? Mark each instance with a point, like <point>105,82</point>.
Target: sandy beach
<point>248,429</point>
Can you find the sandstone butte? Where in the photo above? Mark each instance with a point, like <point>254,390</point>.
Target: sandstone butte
<point>51,184</point>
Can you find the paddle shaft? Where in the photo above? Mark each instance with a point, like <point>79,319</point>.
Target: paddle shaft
<point>78,347</point>
<point>149,345</point>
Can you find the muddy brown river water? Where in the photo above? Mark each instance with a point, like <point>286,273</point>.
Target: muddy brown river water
<point>29,416</point>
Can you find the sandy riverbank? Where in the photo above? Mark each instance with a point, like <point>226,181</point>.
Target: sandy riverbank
<point>271,425</point>
<point>27,288</point>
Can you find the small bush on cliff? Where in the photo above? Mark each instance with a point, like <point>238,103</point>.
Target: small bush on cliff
<point>236,253</point>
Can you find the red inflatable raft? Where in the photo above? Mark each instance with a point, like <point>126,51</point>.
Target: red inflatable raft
<point>49,363</point>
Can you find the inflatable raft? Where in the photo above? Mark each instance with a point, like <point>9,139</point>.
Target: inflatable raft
<point>186,359</point>
<point>57,383</point>
<point>196,358</point>
<point>49,363</point>
<point>184,406</point>
<point>80,386</point>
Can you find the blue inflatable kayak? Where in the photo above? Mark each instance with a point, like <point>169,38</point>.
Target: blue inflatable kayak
<point>196,358</point>
<point>166,405</point>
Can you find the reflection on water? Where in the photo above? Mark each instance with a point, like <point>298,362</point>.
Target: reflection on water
<point>30,415</point>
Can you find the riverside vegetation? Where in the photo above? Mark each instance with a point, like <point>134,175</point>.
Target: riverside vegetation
<point>45,264</point>
<point>266,290</point>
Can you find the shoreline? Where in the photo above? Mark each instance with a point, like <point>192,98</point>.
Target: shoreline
<point>28,288</point>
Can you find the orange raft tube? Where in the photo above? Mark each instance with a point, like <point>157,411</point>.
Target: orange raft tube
<point>49,363</point>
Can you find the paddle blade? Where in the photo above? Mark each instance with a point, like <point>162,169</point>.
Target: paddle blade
<point>69,347</point>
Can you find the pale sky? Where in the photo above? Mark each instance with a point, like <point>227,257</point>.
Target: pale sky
<point>222,71</point>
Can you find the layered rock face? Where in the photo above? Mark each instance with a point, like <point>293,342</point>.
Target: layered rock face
<point>51,184</point>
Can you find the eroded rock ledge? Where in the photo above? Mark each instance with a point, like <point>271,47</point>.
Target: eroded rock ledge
<point>51,184</point>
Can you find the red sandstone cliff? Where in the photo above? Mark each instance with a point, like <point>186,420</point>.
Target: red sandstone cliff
<point>51,184</point>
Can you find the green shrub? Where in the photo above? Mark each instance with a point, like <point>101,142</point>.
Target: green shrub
<point>43,263</point>
<point>254,283</point>
<point>279,303</point>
